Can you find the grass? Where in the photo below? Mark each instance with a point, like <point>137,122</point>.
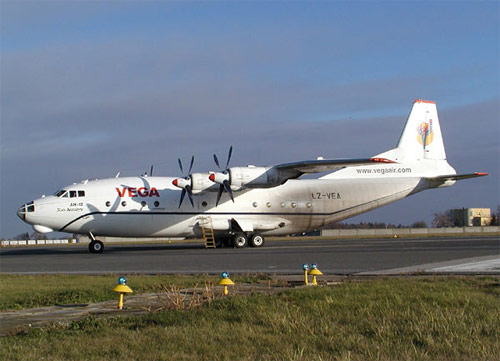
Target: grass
<point>432,318</point>
<point>17,292</point>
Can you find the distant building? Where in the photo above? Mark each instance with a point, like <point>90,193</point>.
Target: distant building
<point>471,217</point>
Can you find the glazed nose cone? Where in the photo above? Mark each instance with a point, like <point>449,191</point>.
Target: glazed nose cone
<point>21,212</point>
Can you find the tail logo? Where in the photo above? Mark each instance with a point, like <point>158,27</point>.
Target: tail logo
<point>425,134</point>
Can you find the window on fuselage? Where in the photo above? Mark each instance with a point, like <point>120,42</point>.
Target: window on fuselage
<point>61,193</point>
<point>72,194</point>
<point>81,193</point>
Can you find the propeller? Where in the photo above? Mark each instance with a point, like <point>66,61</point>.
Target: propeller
<point>222,178</point>
<point>228,158</point>
<point>185,183</point>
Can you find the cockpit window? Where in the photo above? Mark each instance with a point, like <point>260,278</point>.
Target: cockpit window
<point>69,194</point>
<point>62,194</point>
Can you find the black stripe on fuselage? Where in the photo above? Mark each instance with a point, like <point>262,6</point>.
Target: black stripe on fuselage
<point>199,213</point>
<point>312,214</point>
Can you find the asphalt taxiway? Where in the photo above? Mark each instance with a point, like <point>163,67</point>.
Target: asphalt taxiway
<point>355,256</point>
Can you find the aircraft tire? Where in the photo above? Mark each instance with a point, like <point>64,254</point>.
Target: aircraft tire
<point>219,243</point>
<point>256,241</point>
<point>227,242</point>
<point>240,240</point>
<point>96,246</point>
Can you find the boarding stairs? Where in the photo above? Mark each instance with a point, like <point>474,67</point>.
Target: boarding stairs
<point>207,231</point>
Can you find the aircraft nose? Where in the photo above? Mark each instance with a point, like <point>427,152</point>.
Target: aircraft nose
<point>24,209</point>
<point>21,212</point>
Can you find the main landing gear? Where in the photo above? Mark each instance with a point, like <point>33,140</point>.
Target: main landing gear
<point>95,246</point>
<point>242,240</point>
<point>256,240</point>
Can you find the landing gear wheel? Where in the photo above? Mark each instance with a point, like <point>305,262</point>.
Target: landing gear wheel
<point>240,241</point>
<point>219,243</point>
<point>256,241</point>
<point>96,246</point>
<point>227,242</point>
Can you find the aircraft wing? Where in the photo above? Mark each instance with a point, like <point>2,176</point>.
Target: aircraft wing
<point>296,169</point>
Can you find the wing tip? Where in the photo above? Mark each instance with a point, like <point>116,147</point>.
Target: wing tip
<point>382,160</point>
<point>481,174</point>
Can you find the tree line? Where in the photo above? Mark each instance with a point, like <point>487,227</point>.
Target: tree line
<point>450,218</point>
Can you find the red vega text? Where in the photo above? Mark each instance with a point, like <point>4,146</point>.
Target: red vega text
<point>137,192</point>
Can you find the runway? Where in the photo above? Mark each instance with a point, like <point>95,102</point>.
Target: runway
<point>367,256</point>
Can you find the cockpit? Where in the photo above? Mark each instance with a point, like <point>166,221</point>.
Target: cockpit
<point>69,193</point>
<point>64,193</point>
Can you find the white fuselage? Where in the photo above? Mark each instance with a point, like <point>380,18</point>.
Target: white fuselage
<point>148,206</point>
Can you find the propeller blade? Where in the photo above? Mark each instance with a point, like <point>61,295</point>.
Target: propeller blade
<point>151,171</point>
<point>190,194</point>
<point>219,194</point>
<point>216,161</point>
<point>229,191</point>
<point>183,193</point>
<point>186,188</point>
<point>229,156</point>
<point>180,165</point>
<point>191,166</point>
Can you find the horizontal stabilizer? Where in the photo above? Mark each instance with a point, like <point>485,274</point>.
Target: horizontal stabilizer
<point>455,177</point>
<point>450,179</point>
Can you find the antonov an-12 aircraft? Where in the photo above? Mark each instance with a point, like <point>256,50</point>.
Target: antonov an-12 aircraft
<point>242,205</point>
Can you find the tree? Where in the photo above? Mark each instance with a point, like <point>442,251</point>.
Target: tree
<point>37,235</point>
<point>419,224</point>
<point>22,237</point>
<point>443,219</point>
<point>495,217</point>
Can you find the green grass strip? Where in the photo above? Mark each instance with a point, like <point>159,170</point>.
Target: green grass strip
<point>435,318</point>
<point>21,291</point>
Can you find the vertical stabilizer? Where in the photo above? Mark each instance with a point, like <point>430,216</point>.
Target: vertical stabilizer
<point>421,137</point>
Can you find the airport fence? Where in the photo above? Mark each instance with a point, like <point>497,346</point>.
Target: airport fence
<point>391,232</point>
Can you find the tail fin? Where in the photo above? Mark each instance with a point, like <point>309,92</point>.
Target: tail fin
<point>421,137</point>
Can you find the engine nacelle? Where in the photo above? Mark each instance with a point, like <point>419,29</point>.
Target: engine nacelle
<point>253,177</point>
<point>197,181</point>
<point>200,182</point>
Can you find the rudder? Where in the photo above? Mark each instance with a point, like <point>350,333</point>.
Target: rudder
<point>421,137</point>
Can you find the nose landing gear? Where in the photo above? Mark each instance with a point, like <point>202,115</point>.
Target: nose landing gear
<point>95,246</point>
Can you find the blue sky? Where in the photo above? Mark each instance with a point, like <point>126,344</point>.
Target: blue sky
<point>92,88</point>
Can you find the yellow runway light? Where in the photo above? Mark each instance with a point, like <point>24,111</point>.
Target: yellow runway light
<point>122,288</point>
<point>315,272</point>
<point>305,268</point>
<point>225,281</point>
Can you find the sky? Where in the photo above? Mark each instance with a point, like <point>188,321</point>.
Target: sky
<point>90,89</point>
